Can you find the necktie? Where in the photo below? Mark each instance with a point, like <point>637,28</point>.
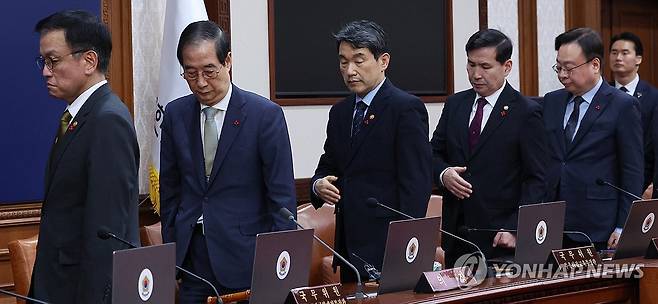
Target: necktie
<point>209,138</point>
<point>357,121</point>
<point>64,123</point>
<point>570,129</point>
<point>476,124</point>
<point>624,89</point>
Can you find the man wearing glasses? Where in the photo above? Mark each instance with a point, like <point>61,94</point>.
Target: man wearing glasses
<point>225,168</point>
<point>594,132</point>
<point>91,176</point>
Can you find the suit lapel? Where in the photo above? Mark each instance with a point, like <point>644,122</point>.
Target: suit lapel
<point>596,107</point>
<point>75,126</point>
<point>233,120</point>
<point>559,134</point>
<point>376,108</point>
<point>464,109</point>
<point>503,105</point>
<point>193,131</point>
<point>344,125</point>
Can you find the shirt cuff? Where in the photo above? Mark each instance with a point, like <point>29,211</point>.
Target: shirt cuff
<point>313,187</point>
<point>441,175</point>
<point>618,230</point>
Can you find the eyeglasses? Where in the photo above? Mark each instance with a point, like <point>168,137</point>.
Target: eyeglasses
<point>558,69</point>
<point>51,62</point>
<point>207,74</point>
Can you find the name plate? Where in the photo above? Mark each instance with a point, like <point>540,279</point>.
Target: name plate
<point>447,279</point>
<point>572,259</point>
<point>325,294</point>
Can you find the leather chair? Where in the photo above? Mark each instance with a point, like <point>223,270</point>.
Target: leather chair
<point>434,209</point>
<point>22,254</point>
<point>151,234</point>
<point>323,221</point>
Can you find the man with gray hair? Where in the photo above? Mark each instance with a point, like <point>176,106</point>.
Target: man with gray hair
<point>377,146</point>
<point>225,168</point>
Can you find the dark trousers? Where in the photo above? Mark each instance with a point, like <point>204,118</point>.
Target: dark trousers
<point>197,261</point>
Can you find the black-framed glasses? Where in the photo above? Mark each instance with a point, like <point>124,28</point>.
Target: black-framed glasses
<point>206,74</point>
<point>51,62</point>
<point>558,69</point>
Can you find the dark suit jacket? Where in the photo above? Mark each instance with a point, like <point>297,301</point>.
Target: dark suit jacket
<point>607,145</point>
<point>647,95</point>
<point>388,160</point>
<point>251,179</point>
<point>91,182</point>
<point>506,167</point>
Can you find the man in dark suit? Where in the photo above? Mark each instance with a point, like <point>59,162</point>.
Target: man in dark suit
<point>226,168</point>
<point>91,177</point>
<point>488,150</point>
<point>594,132</point>
<point>626,53</point>
<point>376,147</point>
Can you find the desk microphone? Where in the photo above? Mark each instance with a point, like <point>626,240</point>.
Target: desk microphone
<point>22,297</point>
<point>373,273</point>
<point>373,203</point>
<point>602,182</point>
<point>359,288</point>
<point>104,234</point>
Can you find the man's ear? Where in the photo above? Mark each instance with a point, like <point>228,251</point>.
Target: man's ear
<point>507,67</point>
<point>383,61</point>
<point>228,62</point>
<point>91,61</point>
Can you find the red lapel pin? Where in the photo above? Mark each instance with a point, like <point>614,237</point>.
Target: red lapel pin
<point>236,122</point>
<point>503,113</point>
<point>597,107</point>
<point>369,118</point>
<point>73,126</point>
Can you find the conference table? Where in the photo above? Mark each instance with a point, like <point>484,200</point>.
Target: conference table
<point>577,289</point>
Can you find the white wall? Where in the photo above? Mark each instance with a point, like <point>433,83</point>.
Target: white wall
<point>466,22</point>
<point>502,15</point>
<point>550,23</point>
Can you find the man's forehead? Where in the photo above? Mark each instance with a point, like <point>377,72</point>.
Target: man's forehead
<point>53,42</point>
<point>347,49</point>
<point>623,45</point>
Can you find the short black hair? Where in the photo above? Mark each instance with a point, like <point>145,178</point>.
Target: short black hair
<point>491,38</point>
<point>82,31</point>
<point>628,36</point>
<point>199,31</point>
<point>364,34</point>
<point>588,40</point>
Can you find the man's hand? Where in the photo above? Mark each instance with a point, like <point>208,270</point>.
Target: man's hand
<point>456,184</point>
<point>326,191</point>
<point>613,240</point>
<point>504,240</point>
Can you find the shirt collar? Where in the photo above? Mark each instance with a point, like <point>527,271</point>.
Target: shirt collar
<point>371,95</point>
<point>222,105</point>
<point>631,86</point>
<point>77,104</point>
<point>589,95</point>
<point>493,98</point>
